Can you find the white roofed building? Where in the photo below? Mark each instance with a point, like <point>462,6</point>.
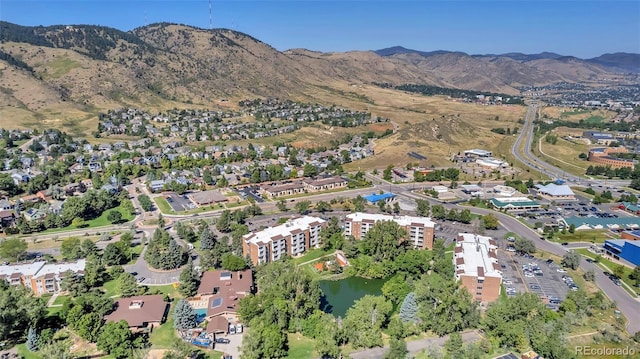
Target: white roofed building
<point>477,268</point>
<point>293,238</point>
<point>419,229</point>
<point>555,192</point>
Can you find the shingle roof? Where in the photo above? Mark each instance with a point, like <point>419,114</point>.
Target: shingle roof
<point>139,311</point>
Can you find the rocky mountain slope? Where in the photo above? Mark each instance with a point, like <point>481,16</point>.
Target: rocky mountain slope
<point>47,70</point>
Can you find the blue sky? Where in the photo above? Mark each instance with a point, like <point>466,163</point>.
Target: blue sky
<point>578,28</point>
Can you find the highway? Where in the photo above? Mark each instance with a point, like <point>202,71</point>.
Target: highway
<point>538,165</point>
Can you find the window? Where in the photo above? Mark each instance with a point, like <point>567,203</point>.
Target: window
<point>480,280</point>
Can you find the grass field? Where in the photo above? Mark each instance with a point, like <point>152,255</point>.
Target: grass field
<point>164,336</point>
<point>26,353</point>
<point>610,265</point>
<point>588,235</point>
<point>60,299</point>
<point>100,221</point>
<point>311,255</point>
<point>564,154</point>
<point>300,347</point>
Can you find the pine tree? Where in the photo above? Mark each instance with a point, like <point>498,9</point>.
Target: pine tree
<point>409,308</point>
<point>189,281</point>
<point>207,239</point>
<point>32,340</point>
<point>184,316</point>
<point>175,255</point>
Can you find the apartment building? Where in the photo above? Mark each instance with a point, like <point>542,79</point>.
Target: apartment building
<point>40,277</point>
<point>292,238</point>
<point>419,229</point>
<point>476,263</point>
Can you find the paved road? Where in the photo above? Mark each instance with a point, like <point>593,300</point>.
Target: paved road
<point>537,164</point>
<point>414,347</point>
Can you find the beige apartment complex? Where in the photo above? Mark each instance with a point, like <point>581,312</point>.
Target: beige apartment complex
<point>419,229</point>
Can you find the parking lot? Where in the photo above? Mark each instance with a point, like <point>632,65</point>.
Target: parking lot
<point>529,274</point>
<point>251,192</point>
<point>179,203</point>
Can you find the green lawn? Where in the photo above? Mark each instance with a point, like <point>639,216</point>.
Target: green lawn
<point>311,255</point>
<point>25,353</point>
<point>163,205</point>
<point>96,222</point>
<point>165,290</point>
<point>110,288</point>
<point>60,299</point>
<point>135,253</point>
<point>300,347</point>
<point>588,235</point>
<point>163,336</point>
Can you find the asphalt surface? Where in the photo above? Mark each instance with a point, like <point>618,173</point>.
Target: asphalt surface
<point>537,164</point>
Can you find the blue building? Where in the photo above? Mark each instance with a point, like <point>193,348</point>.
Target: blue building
<point>628,250</point>
<point>374,198</point>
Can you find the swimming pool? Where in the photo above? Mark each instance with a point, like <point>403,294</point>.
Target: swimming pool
<point>201,313</point>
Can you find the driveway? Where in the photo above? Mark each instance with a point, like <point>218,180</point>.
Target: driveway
<point>233,348</point>
<point>414,347</point>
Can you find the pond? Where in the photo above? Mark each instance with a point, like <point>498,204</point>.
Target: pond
<point>339,295</point>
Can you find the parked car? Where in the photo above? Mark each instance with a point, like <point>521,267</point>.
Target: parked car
<point>565,243</point>
<point>223,341</point>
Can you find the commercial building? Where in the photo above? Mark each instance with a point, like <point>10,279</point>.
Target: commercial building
<point>142,312</point>
<point>204,198</point>
<point>419,229</point>
<point>218,296</point>
<point>504,191</point>
<point>602,156</point>
<point>630,235</point>
<point>477,153</point>
<point>476,263</point>
<point>40,277</point>
<point>293,187</point>
<point>621,249</point>
<point>386,197</point>
<point>630,207</point>
<point>555,192</point>
<point>614,224</point>
<point>514,203</point>
<point>292,238</point>
<point>490,162</point>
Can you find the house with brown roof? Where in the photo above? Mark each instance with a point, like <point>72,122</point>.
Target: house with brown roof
<point>141,312</point>
<point>218,296</point>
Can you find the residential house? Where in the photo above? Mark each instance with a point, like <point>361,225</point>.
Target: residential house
<point>219,294</point>
<point>142,312</point>
<point>6,205</point>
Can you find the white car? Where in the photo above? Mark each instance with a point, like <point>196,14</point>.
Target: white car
<point>560,270</point>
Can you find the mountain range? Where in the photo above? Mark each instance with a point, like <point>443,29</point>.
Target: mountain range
<point>46,70</point>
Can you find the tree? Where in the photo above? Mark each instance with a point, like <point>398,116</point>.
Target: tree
<point>309,170</point>
<point>88,247</point>
<point>145,202</point>
<point>282,206</point>
<point>409,308</point>
<point>128,286</point>
<point>454,347</point>
<point>74,284</point>
<point>397,349</point>
<point>423,207</point>
<point>233,263</point>
<point>302,207</point>
<point>590,276</point>
<point>207,239</point>
<point>184,316</point>
<point>114,216</point>
<point>189,281</point>
<point>386,174</point>
<point>438,211</point>
<point>383,241</point>
<point>396,207</point>
<point>116,340</point>
<point>71,249</point>
<point>32,339</point>
<point>364,320</point>
<point>490,221</point>
<point>322,207</point>
<point>112,255</point>
<point>635,275</point>
<point>94,272</point>
<point>224,222</point>
<point>619,270</point>
<point>19,310</point>
<point>13,249</point>
<point>571,259</point>
<point>524,245</point>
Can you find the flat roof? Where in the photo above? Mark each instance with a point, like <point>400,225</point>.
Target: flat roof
<point>401,220</point>
<point>471,187</point>
<point>479,152</point>
<point>475,253</point>
<point>622,242</point>
<point>26,269</point>
<point>553,189</point>
<point>284,229</point>
<point>59,268</point>
<point>376,197</point>
<point>514,202</point>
